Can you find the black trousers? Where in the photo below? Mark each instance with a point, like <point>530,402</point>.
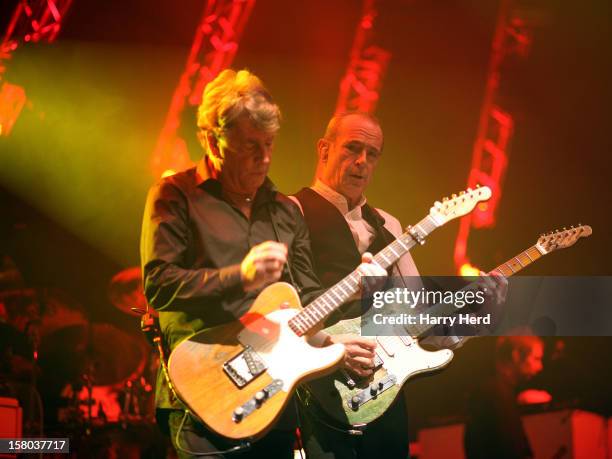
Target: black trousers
<point>196,438</point>
<point>386,437</point>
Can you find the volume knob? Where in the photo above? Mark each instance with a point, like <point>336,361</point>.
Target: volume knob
<point>238,414</point>
<point>260,396</point>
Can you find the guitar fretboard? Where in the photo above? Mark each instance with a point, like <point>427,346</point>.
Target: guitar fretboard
<point>317,311</point>
<point>510,267</point>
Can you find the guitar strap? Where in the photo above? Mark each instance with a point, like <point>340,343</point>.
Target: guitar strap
<point>288,264</point>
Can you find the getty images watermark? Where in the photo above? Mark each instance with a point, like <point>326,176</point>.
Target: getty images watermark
<point>449,306</point>
<point>419,305</point>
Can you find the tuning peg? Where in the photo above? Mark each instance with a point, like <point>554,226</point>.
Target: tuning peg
<point>469,190</point>
<point>564,228</point>
<point>461,193</point>
<point>444,199</point>
<point>453,196</point>
<point>477,185</point>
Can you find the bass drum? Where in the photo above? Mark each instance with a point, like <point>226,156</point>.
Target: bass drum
<point>58,310</point>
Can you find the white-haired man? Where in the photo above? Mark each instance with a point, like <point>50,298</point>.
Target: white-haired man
<point>215,234</point>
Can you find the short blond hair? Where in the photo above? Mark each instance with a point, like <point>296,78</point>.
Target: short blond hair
<point>232,94</point>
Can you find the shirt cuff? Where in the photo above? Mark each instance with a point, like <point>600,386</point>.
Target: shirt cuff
<point>319,339</point>
<point>230,277</point>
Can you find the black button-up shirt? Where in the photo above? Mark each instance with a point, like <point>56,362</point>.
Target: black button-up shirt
<point>192,244</point>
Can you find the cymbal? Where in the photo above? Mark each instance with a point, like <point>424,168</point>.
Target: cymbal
<point>100,351</point>
<point>18,292</point>
<point>50,308</point>
<point>125,291</point>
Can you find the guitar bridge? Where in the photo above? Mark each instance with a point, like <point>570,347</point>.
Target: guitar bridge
<point>244,367</point>
<point>350,382</point>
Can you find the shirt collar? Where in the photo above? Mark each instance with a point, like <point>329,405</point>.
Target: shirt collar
<point>338,200</point>
<point>206,180</point>
<point>203,172</point>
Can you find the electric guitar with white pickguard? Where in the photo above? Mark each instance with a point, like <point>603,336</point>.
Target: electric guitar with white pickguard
<point>353,401</point>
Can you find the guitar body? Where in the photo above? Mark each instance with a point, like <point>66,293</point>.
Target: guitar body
<point>209,369</point>
<point>401,358</point>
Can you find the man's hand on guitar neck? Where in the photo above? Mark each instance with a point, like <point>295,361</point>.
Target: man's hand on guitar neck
<point>369,268</point>
<point>494,285</point>
<point>374,273</point>
<point>263,265</point>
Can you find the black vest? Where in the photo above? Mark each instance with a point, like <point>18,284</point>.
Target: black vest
<point>334,252</point>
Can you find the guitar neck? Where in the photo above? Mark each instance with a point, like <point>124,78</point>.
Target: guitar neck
<point>317,311</point>
<point>509,268</point>
<point>521,261</point>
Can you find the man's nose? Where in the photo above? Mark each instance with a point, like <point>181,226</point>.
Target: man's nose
<point>362,158</point>
<point>264,154</point>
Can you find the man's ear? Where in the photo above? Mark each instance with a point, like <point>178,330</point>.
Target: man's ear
<point>323,150</point>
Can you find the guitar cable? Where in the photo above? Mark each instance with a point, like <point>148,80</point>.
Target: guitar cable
<point>312,412</point>
<point>243,446</point>
<point>299,425</point>
<point>150,327</point>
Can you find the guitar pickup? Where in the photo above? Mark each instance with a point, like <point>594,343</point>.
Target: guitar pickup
<point>378,362</point>
<point>357,400</point>
<point>244,367</point>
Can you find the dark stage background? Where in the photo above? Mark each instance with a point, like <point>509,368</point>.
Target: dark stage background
<point>75,170</point>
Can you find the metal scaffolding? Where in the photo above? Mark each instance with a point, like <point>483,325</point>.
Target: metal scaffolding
<point>511,42</point>
<point>360,86</point>
<point>213,49</point>
<point>32,21</point>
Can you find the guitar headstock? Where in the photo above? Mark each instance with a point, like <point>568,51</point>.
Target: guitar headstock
<point>458,205</point>
<point>561,239</point>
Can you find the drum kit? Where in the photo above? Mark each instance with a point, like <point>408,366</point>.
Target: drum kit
<point>93,377</point>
